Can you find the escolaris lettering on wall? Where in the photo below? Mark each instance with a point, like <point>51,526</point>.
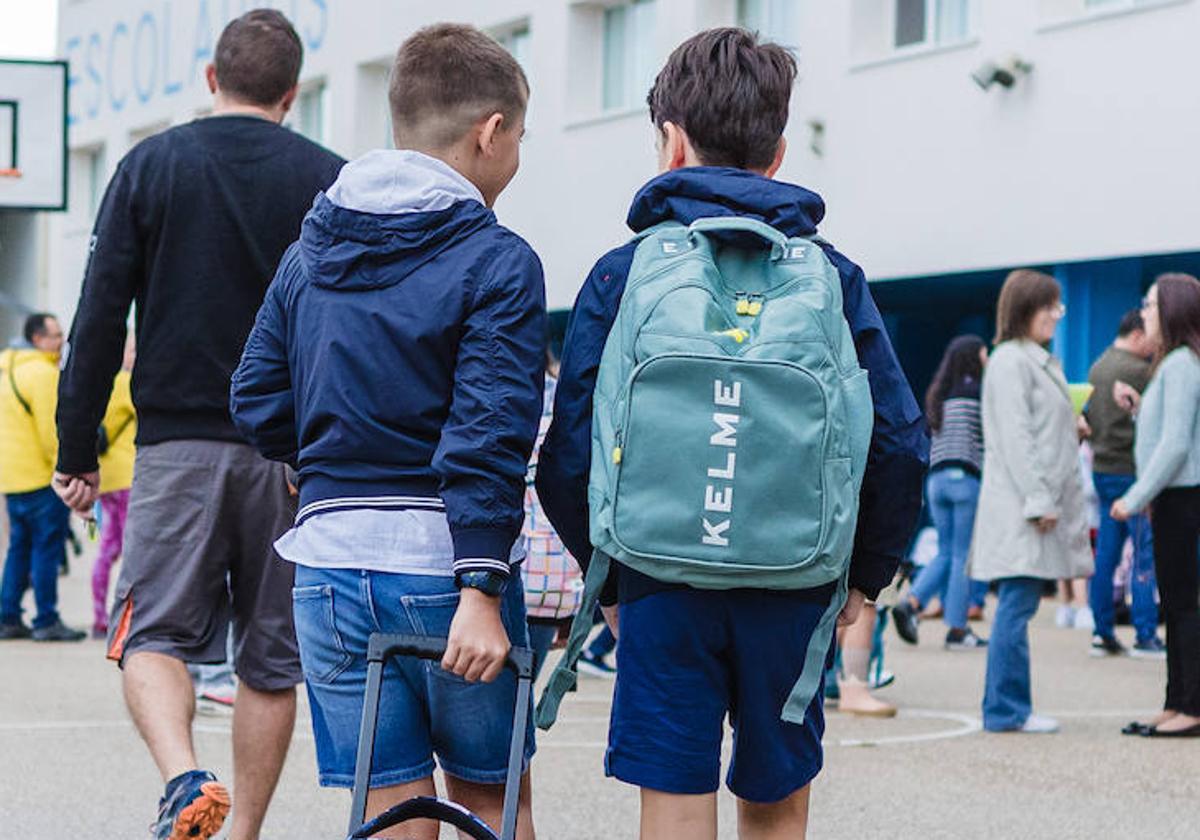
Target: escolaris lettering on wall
<point>159,49</point>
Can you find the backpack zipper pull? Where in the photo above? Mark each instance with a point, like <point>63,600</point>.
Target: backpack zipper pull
<point>754,305</point>
<point>617,451</point>
<point>743,305</point>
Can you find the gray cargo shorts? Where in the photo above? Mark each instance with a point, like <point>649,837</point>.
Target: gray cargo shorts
<point>198,555</point>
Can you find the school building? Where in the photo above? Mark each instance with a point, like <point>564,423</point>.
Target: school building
<point>952,140</point>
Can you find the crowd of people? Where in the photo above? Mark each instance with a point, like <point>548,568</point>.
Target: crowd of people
<point>348,422</point>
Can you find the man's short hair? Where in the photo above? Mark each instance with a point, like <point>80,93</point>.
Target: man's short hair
<point>729,93</point>
<point>35,325</point>
<point>446,78</point>
<point>258,58</point>
<point>1131,322</point>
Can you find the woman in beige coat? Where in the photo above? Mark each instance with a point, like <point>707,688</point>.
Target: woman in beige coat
<point>1031,525</point>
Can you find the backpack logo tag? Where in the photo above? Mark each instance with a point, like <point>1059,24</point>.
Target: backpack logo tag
<point>795,252</point>
<point>670,247</point>
<point>718,494</point>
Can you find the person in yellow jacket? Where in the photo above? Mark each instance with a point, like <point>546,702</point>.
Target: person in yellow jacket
<point>117,451</point>
<point>28,451</point>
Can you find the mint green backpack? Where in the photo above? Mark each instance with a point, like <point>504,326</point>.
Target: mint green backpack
<point>730,428</point>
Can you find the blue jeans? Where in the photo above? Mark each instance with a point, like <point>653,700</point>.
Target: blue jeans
<point>541,637</point>
<point>1007,701</point>
<point>36,550</point>
<point>424,711</point>
<point>953,494</point>
<point>1109,544</point>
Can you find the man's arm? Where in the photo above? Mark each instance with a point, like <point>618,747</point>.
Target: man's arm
<point>114,271</point>
<point>564,463</point>
<point>890,500</point>
<point>261,402</point>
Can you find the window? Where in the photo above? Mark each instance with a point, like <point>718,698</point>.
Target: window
<point>95,179</point>
<point>935,22</point>
<point>774,20</point>
<point>516,40</point>
<point>312,113</point>
<point>628,54</point>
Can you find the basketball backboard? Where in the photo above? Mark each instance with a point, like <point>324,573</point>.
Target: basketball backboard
<point>33,135</point>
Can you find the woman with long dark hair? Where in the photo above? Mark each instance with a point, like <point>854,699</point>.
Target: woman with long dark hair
<point>1167,453</point>
<point>952,491</point>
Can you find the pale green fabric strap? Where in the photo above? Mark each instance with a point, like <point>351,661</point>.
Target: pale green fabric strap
<point>564,677</point>
<point>805,688</point>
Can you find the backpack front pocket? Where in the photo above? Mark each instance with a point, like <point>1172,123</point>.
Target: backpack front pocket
<point>720,464</point>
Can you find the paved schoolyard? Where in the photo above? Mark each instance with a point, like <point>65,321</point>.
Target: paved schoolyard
<point>72,766</point>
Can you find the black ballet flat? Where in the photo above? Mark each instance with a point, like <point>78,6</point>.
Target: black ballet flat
<point>1190,732</point>
<point>1135,727</point>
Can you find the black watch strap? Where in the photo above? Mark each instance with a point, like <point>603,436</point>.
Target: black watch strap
<point>489,583</point>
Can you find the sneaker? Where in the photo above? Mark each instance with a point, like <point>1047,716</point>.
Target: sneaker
<point>1152,648</point>
<point>1084,620</point>
<point>1038,725</point>
<point>99,631</point>
<point>596,666</point>
<point>215,701</point>
<point>964,640</point>
<point>1107,646</point>
<point>975,613</point>
<point>20,630</point>
<point>904,615</point>
<point>194,805</point>
<point>1065,617</point>
<point>58,632</point>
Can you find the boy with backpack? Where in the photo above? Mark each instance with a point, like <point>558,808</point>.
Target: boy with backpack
<point>721,353</point>
<point>397,363</point>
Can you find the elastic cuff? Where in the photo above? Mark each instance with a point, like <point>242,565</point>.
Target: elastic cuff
<point>482,564</point>
<point>76,460</point>
<point>486,544</point>
<point>1037,506</point>
<point>870,574</point>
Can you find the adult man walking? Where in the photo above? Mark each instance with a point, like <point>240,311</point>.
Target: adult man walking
<point>191,228</point>
<point>1127,360</point>
<point>37,519</point>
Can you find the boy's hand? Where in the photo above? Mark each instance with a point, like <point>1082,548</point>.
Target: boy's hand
<point>478,643</point>
<point>78,492</point>
<point>853,608</point>
<point>612,618</point>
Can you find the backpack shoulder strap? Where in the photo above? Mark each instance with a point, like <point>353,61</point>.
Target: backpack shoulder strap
<point>12,380</point>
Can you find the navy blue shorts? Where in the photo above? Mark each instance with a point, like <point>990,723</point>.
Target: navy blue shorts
<point>689,657</point>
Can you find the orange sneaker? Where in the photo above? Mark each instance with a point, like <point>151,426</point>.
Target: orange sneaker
<point>194,805</point>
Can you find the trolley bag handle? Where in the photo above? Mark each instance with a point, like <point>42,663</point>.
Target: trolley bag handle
<point>384,646</point>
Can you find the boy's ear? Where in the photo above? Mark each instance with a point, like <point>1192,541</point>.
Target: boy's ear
<point>488,130</point>
<point>675,148</point>
<point>780,151</point>
<point>210,76</point>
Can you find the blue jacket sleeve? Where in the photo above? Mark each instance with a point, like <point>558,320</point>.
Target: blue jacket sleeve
<point>890,501</point>
<point>260,395</point>
<point>495,410</point>
<point>564,463</point>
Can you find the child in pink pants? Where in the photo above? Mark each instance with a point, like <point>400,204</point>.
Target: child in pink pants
<point>113,507</point>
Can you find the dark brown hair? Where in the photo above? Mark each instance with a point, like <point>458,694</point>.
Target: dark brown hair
<point>258,58</point>
<point>729,93</point>
<point>1024,292</point>
<point>961,363</point>
<point>1178,314</point>
<point>447,77</point>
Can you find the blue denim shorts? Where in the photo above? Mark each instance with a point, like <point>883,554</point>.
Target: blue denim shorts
<point>424,711</point>
<point>687,659</point>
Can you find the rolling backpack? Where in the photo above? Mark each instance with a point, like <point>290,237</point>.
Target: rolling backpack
<point>731,423</point>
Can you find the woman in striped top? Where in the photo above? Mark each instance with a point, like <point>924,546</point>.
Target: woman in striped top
<point>952,490</point>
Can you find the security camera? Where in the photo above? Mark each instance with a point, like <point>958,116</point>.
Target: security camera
<point>989,73</point>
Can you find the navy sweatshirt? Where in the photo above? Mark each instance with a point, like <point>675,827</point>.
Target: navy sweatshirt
<point>890,500</point>
<point>191,227</point>
<point>397,360</point>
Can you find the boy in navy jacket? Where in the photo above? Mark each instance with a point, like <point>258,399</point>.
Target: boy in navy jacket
<point>397,364</point>
<point>689,657</point>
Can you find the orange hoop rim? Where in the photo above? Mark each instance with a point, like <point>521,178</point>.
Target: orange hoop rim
<point>10,173</point>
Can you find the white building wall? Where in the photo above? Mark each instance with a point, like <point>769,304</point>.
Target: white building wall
<point>1093,155</point>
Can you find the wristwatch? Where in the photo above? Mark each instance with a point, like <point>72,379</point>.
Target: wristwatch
<point>489,583</point>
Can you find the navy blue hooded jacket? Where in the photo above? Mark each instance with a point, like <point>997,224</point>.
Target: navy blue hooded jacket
<point>890,501</point>
<point>397,360</point>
